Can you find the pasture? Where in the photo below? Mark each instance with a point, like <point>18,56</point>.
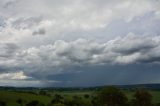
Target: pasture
<point>12,96</point>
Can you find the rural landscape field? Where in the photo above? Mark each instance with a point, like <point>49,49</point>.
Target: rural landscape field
<point>95,96</point>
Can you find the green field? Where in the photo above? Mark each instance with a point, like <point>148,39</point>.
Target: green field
<point>11,97</point>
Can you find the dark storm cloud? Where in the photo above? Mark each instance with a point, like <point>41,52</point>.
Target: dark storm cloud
<point>109,75</point>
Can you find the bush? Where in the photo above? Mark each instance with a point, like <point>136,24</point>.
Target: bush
<point>59,104</point>
<point>2,103</point>
<point>142,98</point>
<point>57,99</point>
<point>19,101</point>
<point>42,92</point>
<point>33,103</point>
<point>157,104</point>
<point>112,96</point>
<point>86,96</point>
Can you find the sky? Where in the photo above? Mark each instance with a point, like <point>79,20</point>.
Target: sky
<point>70,43</point>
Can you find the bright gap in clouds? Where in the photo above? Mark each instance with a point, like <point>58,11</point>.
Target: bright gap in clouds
<point>59,43</point>
<point>13,76</point>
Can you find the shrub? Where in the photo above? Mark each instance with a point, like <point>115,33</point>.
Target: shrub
<point>2,103</point>
<point>86,96</point>
<point>112,96</point>
<point>142,98</point>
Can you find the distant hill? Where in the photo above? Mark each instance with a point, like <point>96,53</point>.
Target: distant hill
<point>134,86</point>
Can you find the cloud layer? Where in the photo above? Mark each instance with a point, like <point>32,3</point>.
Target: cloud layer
<point>56,20</point>
<point>122,50</point>
<point>41,38</point>
<point>63,57</point>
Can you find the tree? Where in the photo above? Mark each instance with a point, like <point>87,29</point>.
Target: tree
<point>142,98</point>
<point>76,101</point>
<point>157,104</point>
<point>42,92</point>
<point>96,101</point>
<point>86,95</point>
<point>59,104</point>
<point>57,99</point>
<point>33,103</point>
<point>2,103</point>
<point>112,96</point>
<point>19,101</point>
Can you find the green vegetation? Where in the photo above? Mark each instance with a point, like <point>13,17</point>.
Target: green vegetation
<point>110,96</point>
<point>11,98</point>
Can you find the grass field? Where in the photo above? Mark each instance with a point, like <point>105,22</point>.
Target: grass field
<point>10,97</point>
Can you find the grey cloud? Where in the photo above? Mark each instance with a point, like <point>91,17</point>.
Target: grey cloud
<point>62,56</point>
<point>40,31</point>
<point>84,14</point>
<point>108,74</point>
<point>77,51</point>
<point>25,23</point>
<point>2,22</point>
<point>63,23</point>
<point>72,20</point>
<point>132,44</point>
<point>8,49</point>
<point>8,57</point>
<point>9,3</point>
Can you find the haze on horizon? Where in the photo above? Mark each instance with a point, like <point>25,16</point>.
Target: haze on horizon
<point>79,42</point>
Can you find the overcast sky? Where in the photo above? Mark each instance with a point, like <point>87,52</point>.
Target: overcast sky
<point>79,42</point>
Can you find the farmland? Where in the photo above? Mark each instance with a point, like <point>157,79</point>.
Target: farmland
<point>45,96</point>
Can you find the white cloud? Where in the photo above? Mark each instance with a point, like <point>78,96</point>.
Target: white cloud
<point>14,76</point>
<point>59,18</point>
